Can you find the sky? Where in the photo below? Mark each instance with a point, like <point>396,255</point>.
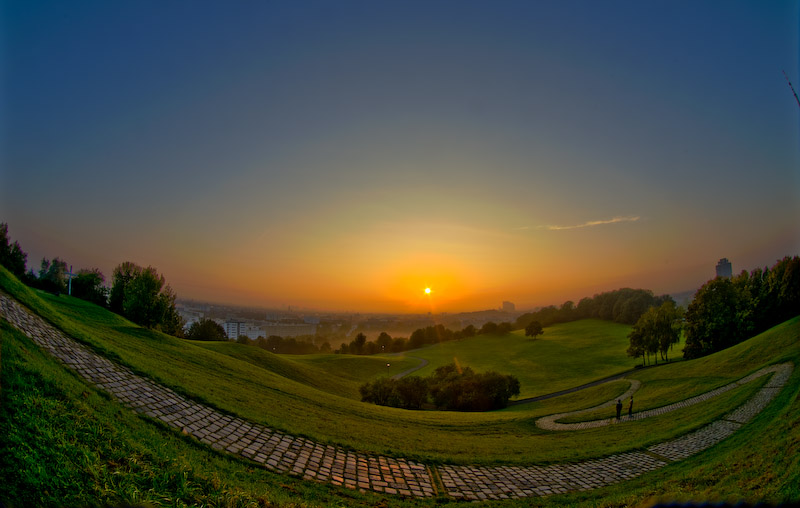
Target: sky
<point>347,155</point>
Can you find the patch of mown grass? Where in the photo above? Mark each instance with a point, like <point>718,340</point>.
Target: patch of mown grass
<point>567,355</point>
<point>336,374</point>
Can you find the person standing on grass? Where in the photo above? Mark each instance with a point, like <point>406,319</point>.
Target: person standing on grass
<point>619,408</point>
<point>630,407</point>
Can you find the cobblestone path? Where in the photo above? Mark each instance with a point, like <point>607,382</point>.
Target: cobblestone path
<point>278,452</point>
<point>301,457</point>
<point>476,483</point>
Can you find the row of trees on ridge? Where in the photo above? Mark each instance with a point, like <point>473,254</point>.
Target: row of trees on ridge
<point>726,311</point>
<point>140,294</point>
<point>421,337</point>
<point>624,305</point>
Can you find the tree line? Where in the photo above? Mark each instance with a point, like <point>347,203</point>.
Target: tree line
<point>421,337</point>
<point>448,388</point>
<point>724,312</point>
<point>623,305</point>
<point>139,294</point>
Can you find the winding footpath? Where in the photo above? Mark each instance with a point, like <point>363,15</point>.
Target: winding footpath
<point>287,454</point>
<point>423,362</point>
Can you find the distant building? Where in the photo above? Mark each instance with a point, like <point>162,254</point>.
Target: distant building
<point>724,268</point>
<point>234,328</point>
<point>509,307</point>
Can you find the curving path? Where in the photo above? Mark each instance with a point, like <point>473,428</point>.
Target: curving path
<point>304,458</point>
<point>551,422</point>
<point>423,362</point>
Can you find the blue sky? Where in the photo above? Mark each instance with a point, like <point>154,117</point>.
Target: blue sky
<point>344,155</point>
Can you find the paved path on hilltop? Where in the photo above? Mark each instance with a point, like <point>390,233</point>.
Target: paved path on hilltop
<point>304,458</point>
<point>422,363</point>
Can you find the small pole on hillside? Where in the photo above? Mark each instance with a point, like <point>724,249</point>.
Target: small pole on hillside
<point>71,275</point>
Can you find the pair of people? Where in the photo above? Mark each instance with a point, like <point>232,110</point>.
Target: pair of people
<point>630,407</point>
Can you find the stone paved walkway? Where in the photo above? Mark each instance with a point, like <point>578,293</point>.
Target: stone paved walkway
<point>301,457</point>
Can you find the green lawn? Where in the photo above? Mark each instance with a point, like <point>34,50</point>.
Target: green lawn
<point>314,396</point>
<point>567,355</point>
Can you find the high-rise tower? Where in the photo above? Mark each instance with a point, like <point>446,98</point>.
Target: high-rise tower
<point>724,268</point>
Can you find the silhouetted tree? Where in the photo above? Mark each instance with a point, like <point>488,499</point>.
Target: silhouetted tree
<point>11,255</point>
<point>357,346</point>
<point>488,328</point>
<point>208,329</point>
<point>122,275</point>
<point>533,329</point>
<point>52,275</point>
<point>384,342</point>
<point>88,285</point>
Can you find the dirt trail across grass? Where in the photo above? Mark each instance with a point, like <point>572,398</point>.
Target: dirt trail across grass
<point>301,457</point>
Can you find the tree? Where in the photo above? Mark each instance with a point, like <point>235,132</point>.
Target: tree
<point>488,328</point>
<point>411,392</point>
<point>121,277</point>
<point>208,329</point>
<point>656,331</point>
<point>399,344</point>
<point>171,322</point>
<point>142,295</point>
<point>534,329</point>
<point>11,255</point>
<point>378,391</point>
<point>384,342</point>
<point>357,346</point>
<point>711,319</point>
<point>53,275</point>
<point>88,285</point>
<point>670,325</point>
<point>636,347</point>
<point>504,328</point>
<point>142,304</point>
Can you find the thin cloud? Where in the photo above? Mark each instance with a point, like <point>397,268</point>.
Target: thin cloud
<point>593,223</point>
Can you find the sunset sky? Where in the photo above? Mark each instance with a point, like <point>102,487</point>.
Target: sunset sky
<point>345,155</point>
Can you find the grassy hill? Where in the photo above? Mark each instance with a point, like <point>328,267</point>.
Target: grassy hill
<point>567,355</point>
<point>68,444</point>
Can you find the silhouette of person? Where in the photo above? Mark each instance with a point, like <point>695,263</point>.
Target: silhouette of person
<point>630,407</point>
<point>619,408</point>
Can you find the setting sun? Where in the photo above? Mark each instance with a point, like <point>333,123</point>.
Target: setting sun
<point>427,291</point>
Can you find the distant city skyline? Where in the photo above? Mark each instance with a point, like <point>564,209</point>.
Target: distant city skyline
<point>346,156</point>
